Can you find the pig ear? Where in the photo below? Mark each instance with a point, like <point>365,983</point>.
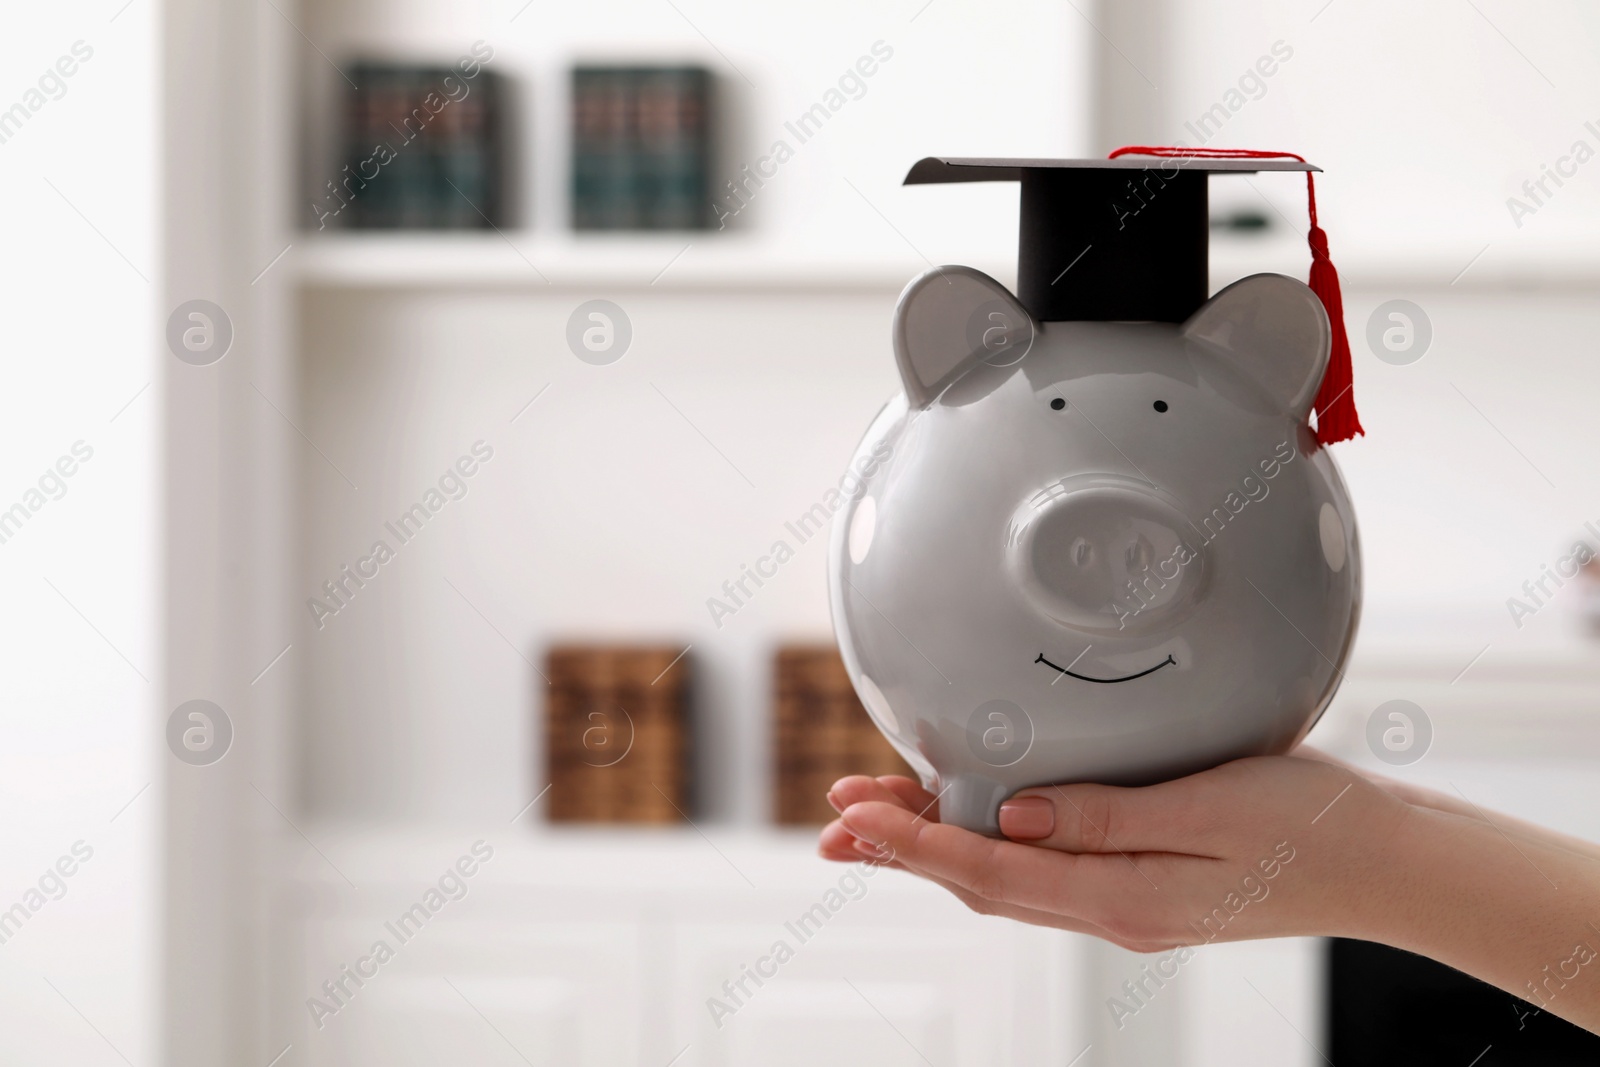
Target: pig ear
<point>1275,330</point>
<point>947,320</point>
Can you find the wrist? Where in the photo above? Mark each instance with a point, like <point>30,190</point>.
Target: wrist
<point>1396,887</point>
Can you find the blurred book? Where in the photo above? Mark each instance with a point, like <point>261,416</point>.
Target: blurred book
<point>641,148</point>
<point>423,148</point>
<point>617,734</point>
<point>822,734</point>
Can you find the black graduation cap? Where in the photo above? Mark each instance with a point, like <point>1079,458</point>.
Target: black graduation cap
<point>1107,239</point>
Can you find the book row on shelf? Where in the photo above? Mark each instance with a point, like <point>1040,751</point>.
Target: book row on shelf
<point>618,726</point>
<point>431,147</point>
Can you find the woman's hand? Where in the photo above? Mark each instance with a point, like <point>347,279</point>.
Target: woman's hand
<point>1263,847</point>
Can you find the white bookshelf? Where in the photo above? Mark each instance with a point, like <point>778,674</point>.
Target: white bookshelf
<point>417,720</point>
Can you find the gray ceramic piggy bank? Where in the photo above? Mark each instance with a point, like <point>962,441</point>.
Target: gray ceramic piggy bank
<point>1094,551</point>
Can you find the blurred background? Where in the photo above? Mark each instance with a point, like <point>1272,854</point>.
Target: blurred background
<point>575,310</point>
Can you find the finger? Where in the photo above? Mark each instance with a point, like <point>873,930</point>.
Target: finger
<point>1170,817</point>
<point>837,843</point>
<point>912,795</point>
<point>861,789</point>
<point>1081,887</point>
<point>878,854</point>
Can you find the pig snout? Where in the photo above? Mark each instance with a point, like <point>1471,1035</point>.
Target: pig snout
<point>1106,554</point>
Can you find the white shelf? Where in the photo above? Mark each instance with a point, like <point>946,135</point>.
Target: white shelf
<point>520,259</point>
<point>712,260</point>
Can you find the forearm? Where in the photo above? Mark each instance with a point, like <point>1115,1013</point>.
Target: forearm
<point>1457,804</point>
<point>1519,829</point>
<point>1521,914</point>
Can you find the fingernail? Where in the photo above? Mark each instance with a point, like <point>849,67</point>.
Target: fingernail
<point>833,800</point>
<point>867,849</point>
<point>1029,818</point>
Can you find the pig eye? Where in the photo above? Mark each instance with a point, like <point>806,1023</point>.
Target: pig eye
<point>1161,405</point>
<point>1057,404</point>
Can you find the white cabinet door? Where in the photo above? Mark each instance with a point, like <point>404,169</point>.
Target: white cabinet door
<point>470,990</point>
<point>904,975</point>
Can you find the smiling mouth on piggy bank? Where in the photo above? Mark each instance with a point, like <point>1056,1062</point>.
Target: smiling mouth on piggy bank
<point>1106,681</point>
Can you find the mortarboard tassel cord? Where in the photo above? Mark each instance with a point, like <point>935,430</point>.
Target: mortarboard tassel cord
<point>1335,404</point>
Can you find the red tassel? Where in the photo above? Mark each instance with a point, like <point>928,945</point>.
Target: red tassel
<point>1336,403</point>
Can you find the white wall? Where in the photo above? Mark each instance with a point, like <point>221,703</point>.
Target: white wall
<point>1459,506</point>
<point>79,644</point>
<point>1427,115</point>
